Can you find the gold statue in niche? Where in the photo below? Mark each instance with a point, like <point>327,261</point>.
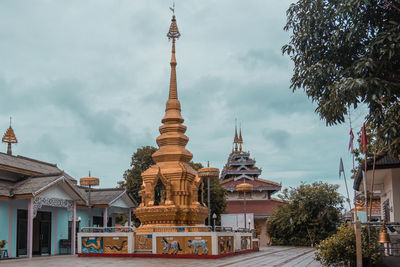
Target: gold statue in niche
<point>178,204</point>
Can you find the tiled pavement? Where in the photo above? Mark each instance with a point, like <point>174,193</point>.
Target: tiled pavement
<point>267,256</point>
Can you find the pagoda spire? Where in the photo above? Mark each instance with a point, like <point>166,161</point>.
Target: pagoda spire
<point>172,140</point>
<point>240,138</point>
<point>236,139</point>
<point>173,106</point>
<point>178,204</point>
<point>9,138</point>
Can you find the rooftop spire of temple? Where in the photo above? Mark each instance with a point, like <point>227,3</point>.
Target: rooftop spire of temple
<point>10,138</point>
<point>240,138</point>
<point>236,139</point>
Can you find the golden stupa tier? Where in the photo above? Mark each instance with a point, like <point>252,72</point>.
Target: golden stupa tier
<point>170,188</point>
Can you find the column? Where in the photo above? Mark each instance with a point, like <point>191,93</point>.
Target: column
<point>55,230</point>
<point>105,217</point>
<point>10,224</point>
<point>73,229</point>
<point>130,217</point>
<point>29,238</point>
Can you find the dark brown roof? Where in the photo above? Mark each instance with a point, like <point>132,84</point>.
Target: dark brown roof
<point>102,196</point>
<point>28,164</point>
<point>34,185</point>
<point>382,161</point>
<point>5,187</point>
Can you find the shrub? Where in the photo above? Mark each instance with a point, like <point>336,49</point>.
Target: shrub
<point>340,248</point>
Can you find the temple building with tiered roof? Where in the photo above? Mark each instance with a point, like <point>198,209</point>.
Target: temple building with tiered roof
<point>42,207</point>
<point>240,168</point>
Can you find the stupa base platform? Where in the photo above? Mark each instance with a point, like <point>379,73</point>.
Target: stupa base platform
<point>173,256</point>
<point>184,243</point>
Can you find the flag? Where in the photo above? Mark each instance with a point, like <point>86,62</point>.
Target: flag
<point>351,140</point>
<point>341,168</point>
<point>364,140</point>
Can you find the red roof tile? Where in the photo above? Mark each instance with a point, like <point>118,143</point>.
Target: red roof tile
<point>258,207</point>
<point>256,183</point>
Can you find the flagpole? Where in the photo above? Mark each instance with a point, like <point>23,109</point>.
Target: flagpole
<point>348,195</point>
<point>341,169</point>
<point>357,225</point>
<point>354,170</point>
<point>372,186</point>
<point>364,143</point>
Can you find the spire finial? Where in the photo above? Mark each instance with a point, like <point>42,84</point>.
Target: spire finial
<point>236,139</point>
<point>240,138</point>
<point>173,106</point>
<point>10,120</point>
<point>173,34</point>
<point>208,163</point>
<point>9,138</point>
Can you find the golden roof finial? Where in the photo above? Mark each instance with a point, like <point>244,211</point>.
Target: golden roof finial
<point>173,34</point>
<point>240,134</point>
<point>236,140</point>
<point>10,138</point>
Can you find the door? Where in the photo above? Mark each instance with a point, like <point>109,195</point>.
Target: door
<point>44,244</point>
<point>41,244</point>
<point>22,229</point>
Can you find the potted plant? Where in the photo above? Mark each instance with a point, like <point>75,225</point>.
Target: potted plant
<point>2,245</point>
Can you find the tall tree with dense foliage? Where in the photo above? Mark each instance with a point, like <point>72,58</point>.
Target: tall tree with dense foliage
<point>346,53</point>
<point>311,215</point>
<point>142,160</point>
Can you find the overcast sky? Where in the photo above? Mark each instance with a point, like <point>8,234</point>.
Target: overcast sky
<point>86,84</point>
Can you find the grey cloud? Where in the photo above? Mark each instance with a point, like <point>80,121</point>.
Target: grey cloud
<point>256,58</point>
<point>279,138</point>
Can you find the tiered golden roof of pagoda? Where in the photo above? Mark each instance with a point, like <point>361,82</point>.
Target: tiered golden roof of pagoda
<point>9,136</point>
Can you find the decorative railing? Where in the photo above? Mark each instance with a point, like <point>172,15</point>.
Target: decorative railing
<point>223,229</point>
<point>182,229</point>
<point>122,229</point>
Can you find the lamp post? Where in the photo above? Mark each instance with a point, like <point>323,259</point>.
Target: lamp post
<point>244,187</point>
<point>89,182</point>
<point>208,172</point>
<point>214,218</point>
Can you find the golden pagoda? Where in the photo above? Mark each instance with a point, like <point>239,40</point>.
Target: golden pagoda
<point>178,182</point>
<point>9,138</point>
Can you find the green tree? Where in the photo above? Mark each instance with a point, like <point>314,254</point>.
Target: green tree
<point>142,160</point>
<point>340,248</point>
<point>311,215</point>
<point>346,53</point>
<point>217,199</point>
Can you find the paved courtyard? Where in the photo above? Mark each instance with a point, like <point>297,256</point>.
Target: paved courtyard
<point>267,256</point>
